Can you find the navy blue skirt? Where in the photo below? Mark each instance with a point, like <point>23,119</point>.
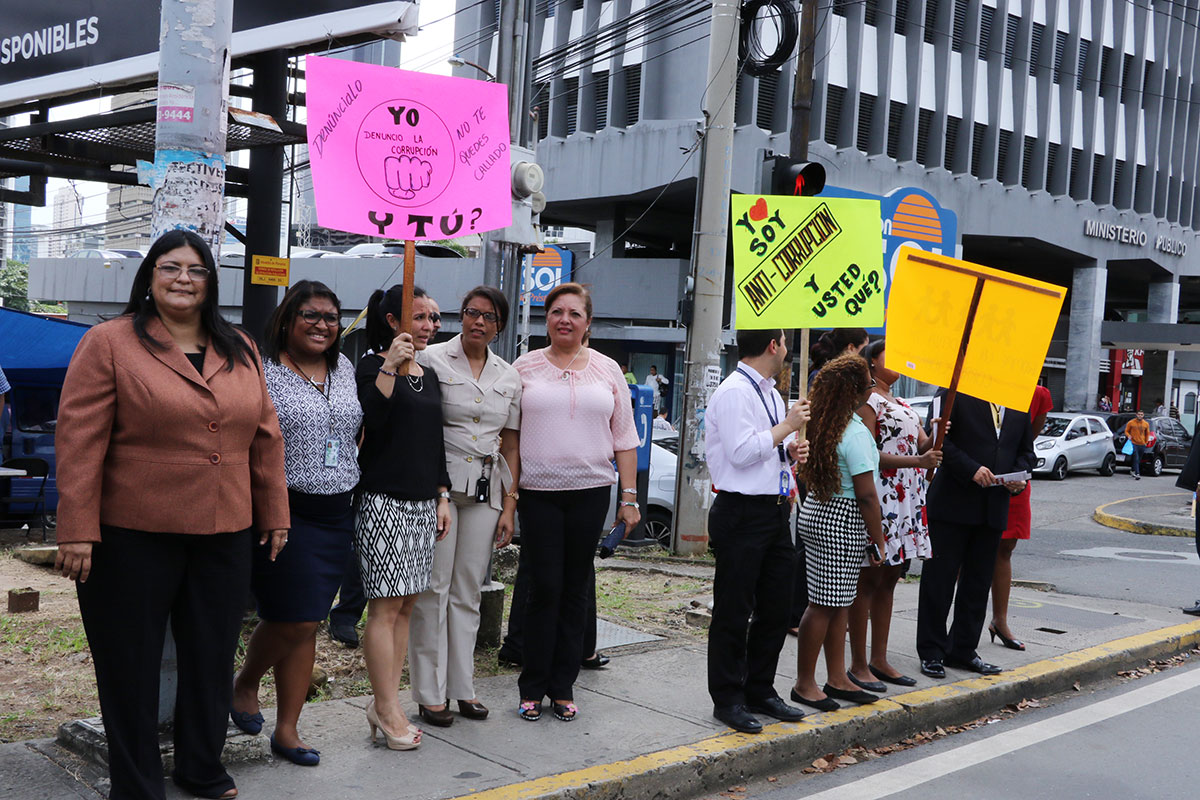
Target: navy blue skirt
<point>300,584</point>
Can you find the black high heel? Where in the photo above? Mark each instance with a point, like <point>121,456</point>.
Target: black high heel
<point>1011,644</point>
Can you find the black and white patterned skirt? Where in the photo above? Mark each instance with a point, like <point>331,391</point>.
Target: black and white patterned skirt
<point>395,540</point>
<point>835,538</point>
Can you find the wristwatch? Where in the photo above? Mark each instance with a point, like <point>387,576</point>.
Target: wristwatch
<point>514,494</point>
<point>444,495</point>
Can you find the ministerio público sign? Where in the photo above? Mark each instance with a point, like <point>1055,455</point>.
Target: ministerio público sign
<point>1124,234</point>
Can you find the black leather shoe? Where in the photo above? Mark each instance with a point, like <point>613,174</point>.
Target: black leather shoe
<point>507,655</point>
<point>738,718</point>
<point>441,719</point>
<point>824,704</point>
<point>596,661</point>
<point>933,668</point>
<point>976,664</point>
<point>1194,610</point>
<point>472,710</point>
<point>775,707</point>
<point>899,680</point>
<point>870,686</point>
<point>343,632</point>
<point>857,696</point>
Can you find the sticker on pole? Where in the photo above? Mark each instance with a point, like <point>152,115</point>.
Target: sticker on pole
<point>407,155</point>
<point>801,262</point>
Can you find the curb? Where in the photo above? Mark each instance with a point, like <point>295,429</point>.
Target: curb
<point>1110,520</point>
<point>713,763</point>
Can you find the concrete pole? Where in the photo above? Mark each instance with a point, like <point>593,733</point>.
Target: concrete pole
<point>188,176</point>
<point>703,352</point>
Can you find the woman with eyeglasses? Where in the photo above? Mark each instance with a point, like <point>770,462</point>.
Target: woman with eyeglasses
<point>313,388</point>
<point>481,412</point>
<point>171,467</point>
<point>403,502</point>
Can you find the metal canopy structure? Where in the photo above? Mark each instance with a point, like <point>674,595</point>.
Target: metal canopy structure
<point>88,148</point>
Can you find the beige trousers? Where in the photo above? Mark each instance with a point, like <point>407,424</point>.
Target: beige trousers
<point>441,649</point>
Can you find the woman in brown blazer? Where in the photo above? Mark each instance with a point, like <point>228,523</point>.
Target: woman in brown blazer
<point>170,456</point>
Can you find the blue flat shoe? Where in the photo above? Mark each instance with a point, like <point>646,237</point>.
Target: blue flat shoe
<point>247,723</point>
<point>300,756</point>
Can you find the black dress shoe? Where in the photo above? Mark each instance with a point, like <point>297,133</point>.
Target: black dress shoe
<point>870,686</point>
<point>441,719</point>
<point>1194,610</point>
<point>596,661</point>
<point>343,632</point>
<point>824,704</point>
<point>738,718</point>
<point>976,664</point>
<point>775,707</point>
<point>933,668</point>
<point>472,710</point>
<point>857,696</point>
<point>899,680</point>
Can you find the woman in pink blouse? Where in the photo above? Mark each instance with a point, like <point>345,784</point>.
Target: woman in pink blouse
<point>576,417</point>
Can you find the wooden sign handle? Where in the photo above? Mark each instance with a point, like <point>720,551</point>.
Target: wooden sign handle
<point>939,436</point>
<point>802,378</point>
<point>406,302</point>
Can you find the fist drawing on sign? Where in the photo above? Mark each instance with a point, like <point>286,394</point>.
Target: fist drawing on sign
<point>406,176</point>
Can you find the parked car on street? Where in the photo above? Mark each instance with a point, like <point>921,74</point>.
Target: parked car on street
<point>1168,448</point>
<point>92,252</point>
<point>393,249</point>
<point>1071,442</point>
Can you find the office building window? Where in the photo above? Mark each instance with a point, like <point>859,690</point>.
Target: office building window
<point>924,123</point>
<point>633,93</point>
<point>835,98</point>
<point>977,148</point>
<point>1011,24</point>
<point>764,115</point>
<point>571,90</point>
<point>1035,46</point>
<point>987,16</point>
<point>600,82</point>
<point>959,30</point>
<point>952,125</point>
<point>866,112</point>
<point>895,120</point>
<point>931,12</point>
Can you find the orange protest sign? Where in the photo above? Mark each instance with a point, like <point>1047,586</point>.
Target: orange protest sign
<point>971,328</point>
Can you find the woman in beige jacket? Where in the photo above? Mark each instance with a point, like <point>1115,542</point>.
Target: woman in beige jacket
<point>481,409</point>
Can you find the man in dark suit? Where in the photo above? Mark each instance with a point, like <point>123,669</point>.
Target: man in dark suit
<point>968,511</point>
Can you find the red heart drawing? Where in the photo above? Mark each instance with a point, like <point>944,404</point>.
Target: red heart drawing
<point>759,210</point>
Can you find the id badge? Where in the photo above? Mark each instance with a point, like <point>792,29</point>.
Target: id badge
<point>331,453</point>
<point>785,483</point>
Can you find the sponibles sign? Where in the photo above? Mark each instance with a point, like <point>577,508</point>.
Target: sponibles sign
<point>407,155</point>
<point>802,262</point>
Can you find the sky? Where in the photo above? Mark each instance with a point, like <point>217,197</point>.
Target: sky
<point>425,52</point>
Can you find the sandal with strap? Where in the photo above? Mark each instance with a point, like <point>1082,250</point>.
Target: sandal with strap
<point>565,711</point>
<point>530,710</point>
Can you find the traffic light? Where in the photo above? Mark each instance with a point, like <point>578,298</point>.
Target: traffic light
<point>796,177</point>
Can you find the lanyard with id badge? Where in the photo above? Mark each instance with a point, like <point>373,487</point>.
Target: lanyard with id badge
<point>331,442</point>
<point>785,477</point>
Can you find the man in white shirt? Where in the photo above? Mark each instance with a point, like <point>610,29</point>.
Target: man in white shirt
<point>661,423</point>
<point>656,382</point>
<point>750,440</point>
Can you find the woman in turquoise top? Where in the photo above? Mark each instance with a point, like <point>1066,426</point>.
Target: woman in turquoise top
<point>839,519</point>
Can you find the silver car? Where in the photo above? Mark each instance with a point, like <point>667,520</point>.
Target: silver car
<point>1073,442</point>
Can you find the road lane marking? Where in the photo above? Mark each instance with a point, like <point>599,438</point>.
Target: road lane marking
<point>1188,557</point>
<point>907,776</point>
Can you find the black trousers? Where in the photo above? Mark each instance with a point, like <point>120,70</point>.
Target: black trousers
<point>749,536</point>
<point>352,600</point>
<point>514,638</point>
<point>559,533</point>
<point>963,557</point>
<point>138,581</point>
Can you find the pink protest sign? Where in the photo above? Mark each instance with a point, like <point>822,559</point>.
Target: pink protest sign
<point>407,155</point>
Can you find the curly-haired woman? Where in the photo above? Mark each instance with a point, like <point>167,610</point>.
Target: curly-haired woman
<point>839,518</point>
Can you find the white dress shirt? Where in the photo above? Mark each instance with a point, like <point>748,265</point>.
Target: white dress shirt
<point>742,456</point>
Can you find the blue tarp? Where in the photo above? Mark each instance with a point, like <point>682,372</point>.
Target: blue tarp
<point>36,350</point>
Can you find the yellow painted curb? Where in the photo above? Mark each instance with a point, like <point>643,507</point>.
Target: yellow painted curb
<point>1109,520</point>
<point>1185,636</point>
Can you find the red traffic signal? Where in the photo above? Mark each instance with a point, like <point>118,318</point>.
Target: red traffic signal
<point>800,178</point>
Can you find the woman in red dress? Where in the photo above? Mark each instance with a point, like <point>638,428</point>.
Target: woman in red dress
<point>1018,528</point>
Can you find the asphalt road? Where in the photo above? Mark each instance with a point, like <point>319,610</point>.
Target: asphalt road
<point>1122,742</point>
<point>1079,556</point>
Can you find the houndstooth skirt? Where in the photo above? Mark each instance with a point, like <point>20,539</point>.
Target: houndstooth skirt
<point>395,540</point>
<point>835,538</point>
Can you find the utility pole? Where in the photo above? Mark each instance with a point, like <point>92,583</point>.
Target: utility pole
<point>702,368</point>
<point>264,209</point>
<point>188,174</point>
<point>798,136</point>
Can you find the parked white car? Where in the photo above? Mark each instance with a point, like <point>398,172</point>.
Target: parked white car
<point>1074,442</point>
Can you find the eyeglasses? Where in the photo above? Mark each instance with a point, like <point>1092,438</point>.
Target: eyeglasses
<point>313,317</point>
<point>172,271</point>
<point>475,313</point>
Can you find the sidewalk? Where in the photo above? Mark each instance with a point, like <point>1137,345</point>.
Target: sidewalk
<point>1166,514</point>
<point>645,727</point>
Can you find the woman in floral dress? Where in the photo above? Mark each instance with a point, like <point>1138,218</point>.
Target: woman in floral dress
<point>905,454</point>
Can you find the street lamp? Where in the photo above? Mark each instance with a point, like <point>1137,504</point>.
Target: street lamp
<point>459,61</point>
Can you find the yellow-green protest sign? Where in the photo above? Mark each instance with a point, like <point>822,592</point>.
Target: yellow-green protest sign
<point>970,328</point>
<point>801,262</point>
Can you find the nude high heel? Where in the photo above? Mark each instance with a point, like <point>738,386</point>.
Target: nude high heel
<point>409,742</point>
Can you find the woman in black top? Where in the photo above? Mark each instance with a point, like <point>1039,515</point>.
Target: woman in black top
<point>403,496</point>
